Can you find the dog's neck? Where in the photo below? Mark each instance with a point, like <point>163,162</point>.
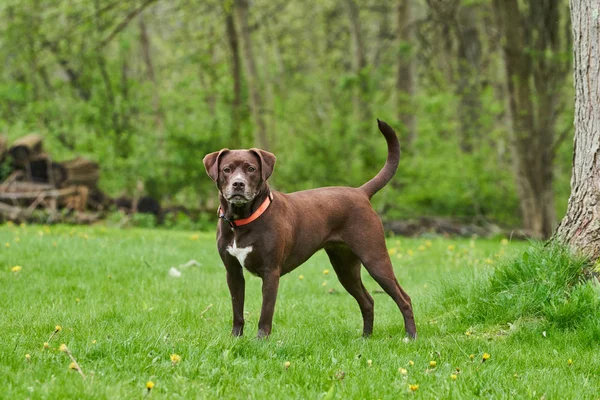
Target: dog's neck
<point>233,212</point>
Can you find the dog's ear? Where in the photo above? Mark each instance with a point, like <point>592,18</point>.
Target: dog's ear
<point>211,163</point>
<point>267,162</point>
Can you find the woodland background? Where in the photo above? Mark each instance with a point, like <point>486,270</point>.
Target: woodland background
<point>480,92</point>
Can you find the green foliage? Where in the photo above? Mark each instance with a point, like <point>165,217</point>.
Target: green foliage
<point>95,97</point>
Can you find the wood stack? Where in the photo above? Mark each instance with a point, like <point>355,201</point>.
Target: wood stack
<point>36,182</point>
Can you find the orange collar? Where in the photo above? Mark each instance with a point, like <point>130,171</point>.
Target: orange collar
<point>259,211</point>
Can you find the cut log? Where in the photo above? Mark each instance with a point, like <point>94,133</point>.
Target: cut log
<point>42,169</point>
<point>81,171</point>
<point>26,148</point>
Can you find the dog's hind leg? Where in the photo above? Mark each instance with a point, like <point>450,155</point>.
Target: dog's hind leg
<point>347,267</point>
<point>368,243</point>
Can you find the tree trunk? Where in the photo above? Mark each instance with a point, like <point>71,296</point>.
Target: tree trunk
<point>254,86</point>
<point>580,227</point>
<point>361,101</point>
<point>469,82</point>
<point>405,79</point>
<point>236,75</point>
<point>534,76</point>
<point>146,47</point>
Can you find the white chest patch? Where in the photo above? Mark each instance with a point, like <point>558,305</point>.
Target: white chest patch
<point>239,252</point>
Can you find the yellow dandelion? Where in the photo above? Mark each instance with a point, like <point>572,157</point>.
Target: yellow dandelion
<point>28,357</point>
<point>46,345</point>
<point>73,365</point>
<point>432,364</point>
<point>23,225</point>
<point>410,252</point>
<point>54,244</point>
<point>504,242</point>
<point>472,356</point>
<point>472,244</point>
<point>451,247</point>
<point>286,364</point>
<point>85,236</point>
<point>40,233</point>
<point>10,224</point>
<point>369,362</point>
<point>16,269</point>
<point>399,255</point>
<point>17,239</point>
<point>403,371</point>
<point>488,261</point>
<point>57,328</point>
<point>300,277</point>
<point>63,347</point>
<point>413,388</point>
<point>7,245</point>
<point>392,251</point>
<point>149,385</point>
<point>468,333</point>
<point>324,283</point>
<point>453,377</point>
<point>569,362</point>
<point>195,237</point>
<point>411,362</point>
<point>175,358</point>
<point>485,357</point>
<point>77,300</point>
<point>421,248</point>
<point>325,272</point>
<point>94,341</point>
<point>428,243</point>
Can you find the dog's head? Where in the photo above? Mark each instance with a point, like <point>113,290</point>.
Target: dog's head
<point>239,174</point>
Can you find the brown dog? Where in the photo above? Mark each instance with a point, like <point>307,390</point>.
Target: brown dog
<point>272,233</point>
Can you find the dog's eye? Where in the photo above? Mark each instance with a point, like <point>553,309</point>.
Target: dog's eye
<point>227,170</point>
<point>251,169</point>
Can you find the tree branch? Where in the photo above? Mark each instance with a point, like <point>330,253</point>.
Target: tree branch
<point>561,138</point>
<point>125,22</point>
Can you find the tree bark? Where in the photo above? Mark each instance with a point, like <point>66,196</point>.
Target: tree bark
<point>534,76</point>
<point>405,78</point>
<point>254,86</point>
<point>580,227</point>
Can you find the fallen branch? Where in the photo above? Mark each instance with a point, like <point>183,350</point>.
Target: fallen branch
<point>32,195</point>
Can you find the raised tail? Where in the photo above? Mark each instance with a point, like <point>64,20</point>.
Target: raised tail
<point>391,164</point>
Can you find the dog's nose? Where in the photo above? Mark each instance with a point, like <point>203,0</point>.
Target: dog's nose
<point>238,184</point>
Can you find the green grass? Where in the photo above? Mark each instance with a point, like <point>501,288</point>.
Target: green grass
<point>122,316</point>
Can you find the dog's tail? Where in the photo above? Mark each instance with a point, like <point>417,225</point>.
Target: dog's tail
<point>391,164</point>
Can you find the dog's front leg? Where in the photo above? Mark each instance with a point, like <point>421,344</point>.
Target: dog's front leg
<point>269,292</point>
<point>237,285</point>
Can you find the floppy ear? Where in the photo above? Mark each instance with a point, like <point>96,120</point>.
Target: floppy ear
<point>211,163</point>
<point>267,162</point>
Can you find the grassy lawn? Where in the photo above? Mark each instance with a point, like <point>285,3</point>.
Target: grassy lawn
<point>122,316</point>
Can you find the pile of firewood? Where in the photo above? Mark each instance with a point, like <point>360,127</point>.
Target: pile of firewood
<point>66,191</point>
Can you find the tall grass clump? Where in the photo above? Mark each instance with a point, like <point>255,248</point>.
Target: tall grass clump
<point>546,282</point>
